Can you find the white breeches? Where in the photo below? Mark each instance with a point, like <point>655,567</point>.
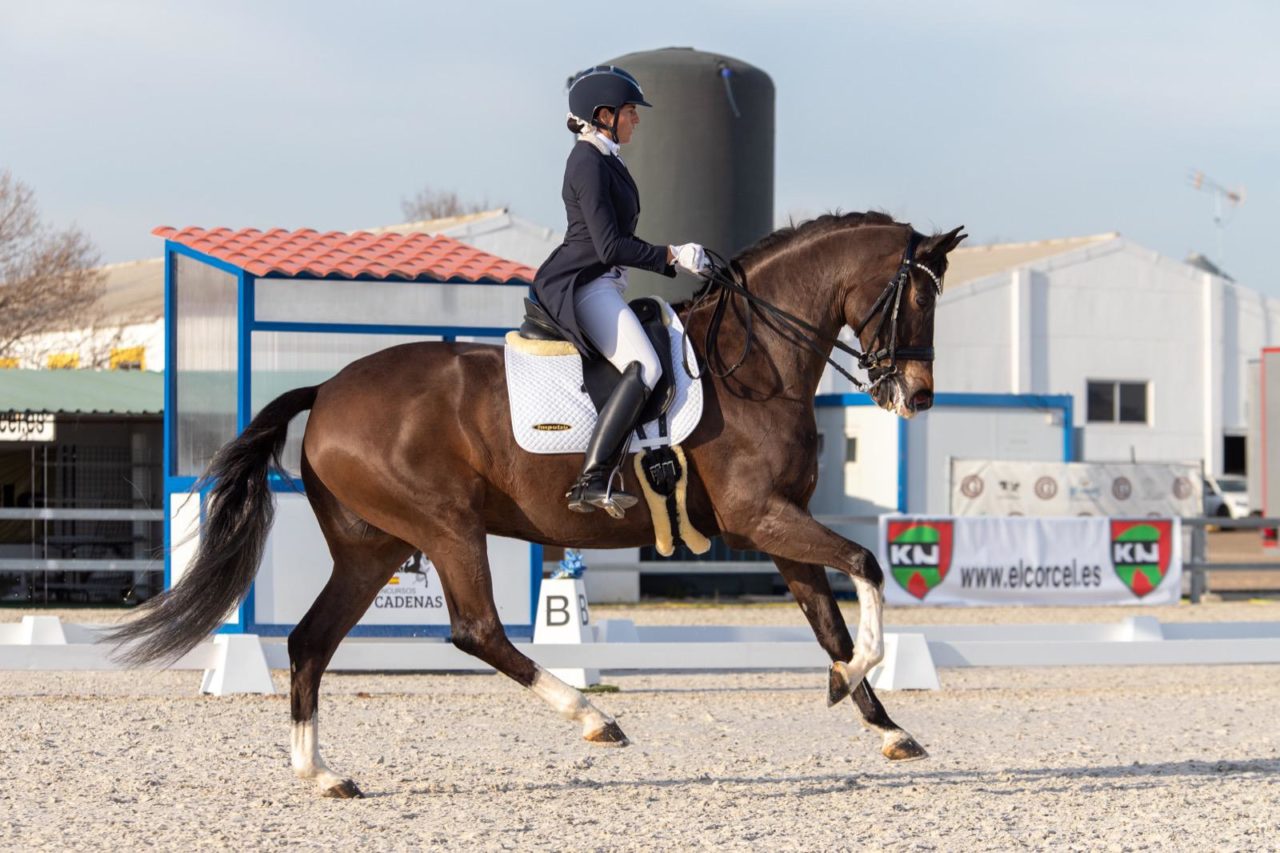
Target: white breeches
<point>613,328</point>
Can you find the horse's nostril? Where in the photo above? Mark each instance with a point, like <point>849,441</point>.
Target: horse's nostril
<point>922,400</point>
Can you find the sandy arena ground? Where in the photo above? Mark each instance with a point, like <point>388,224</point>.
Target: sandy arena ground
<point>1073,758</point>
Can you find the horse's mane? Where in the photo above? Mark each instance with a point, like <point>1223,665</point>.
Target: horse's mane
<point>795,233</point>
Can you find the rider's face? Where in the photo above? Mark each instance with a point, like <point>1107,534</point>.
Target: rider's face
<point>628,121</point>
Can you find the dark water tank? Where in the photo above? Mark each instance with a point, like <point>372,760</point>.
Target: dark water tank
<point>702,157</point>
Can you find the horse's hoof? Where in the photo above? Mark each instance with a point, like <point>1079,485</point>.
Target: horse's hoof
<point>838,687</point>
<point>344,790</point>
<point>902,747</point>
<point>607,735</point>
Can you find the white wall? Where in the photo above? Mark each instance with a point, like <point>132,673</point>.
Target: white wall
<point>1125,316</point>
<point>869,485</point>
<point>946,432</point>
<point>1250,322</point>
<point>972,338</point>
<point>90,344</point>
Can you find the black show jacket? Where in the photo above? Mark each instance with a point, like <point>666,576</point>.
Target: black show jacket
<point>603,206</point>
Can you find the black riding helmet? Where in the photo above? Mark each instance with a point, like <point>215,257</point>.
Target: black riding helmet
<point>603,86</point>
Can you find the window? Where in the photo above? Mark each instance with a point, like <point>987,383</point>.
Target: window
<point>203,364</point>
<point>851,449</point>
<point>1117,402</point>
<point>1234,457</point>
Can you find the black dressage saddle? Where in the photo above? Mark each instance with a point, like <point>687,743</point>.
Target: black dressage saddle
<point>599,377</point>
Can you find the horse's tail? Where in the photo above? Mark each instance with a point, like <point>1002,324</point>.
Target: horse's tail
<point>237,515</point>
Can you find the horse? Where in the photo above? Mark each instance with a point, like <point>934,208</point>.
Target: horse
<point>411,449</point>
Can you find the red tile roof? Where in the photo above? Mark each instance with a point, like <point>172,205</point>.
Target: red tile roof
<point>418,257</point>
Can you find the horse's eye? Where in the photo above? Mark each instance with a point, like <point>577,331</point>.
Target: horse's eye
<point>923,300</point>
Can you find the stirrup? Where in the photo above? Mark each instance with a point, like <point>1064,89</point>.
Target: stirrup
<point>614,503</point>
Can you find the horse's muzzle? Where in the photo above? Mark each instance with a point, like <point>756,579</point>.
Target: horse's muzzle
<point>921,400</point>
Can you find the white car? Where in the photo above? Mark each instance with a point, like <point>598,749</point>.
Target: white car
<point>1226,497</point>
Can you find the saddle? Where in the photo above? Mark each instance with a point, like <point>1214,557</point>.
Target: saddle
<point>555,395</point>
<point>599,377</point>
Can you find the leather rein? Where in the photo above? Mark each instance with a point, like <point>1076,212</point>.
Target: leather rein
<point>725,279</point>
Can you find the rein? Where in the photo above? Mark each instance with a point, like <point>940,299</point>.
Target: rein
<point>726,279</point>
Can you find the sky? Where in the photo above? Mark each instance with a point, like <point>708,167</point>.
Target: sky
<point>1020,120</point>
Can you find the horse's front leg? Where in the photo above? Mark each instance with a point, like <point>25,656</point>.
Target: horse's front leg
<point>788,532</point>
<point>808,583</point>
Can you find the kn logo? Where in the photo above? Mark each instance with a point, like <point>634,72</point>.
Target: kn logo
<point>1141,552</point>
<point>919,554</point>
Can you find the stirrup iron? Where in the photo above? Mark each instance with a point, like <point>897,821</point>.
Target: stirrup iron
<point>614,503</point>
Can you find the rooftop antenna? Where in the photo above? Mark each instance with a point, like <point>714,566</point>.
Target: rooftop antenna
<point>1223,199</point>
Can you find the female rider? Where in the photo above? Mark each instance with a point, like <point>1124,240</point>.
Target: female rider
<point>581,284</point>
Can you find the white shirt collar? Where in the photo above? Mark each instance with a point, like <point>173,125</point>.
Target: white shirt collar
<point>613,147</point>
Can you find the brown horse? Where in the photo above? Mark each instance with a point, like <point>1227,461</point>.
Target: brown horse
<point>411,449</point>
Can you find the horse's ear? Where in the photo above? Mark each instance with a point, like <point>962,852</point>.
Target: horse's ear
<point>941,244</point>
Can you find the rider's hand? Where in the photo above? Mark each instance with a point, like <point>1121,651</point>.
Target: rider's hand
<point>690,257</point>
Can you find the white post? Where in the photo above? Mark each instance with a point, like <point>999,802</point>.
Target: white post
<point>907,665</point>
<point>240,666</point>
<point>563,617</point>
<point>1211,373</point>
<point>1020,331</point>
<point>42,631</point>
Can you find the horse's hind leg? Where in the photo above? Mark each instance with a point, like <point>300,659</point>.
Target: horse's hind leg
<point>459,553</point>
<point>809,584</point>
<point>363,560</point>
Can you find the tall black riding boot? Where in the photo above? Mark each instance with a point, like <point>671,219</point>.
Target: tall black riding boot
<point>608,442</point>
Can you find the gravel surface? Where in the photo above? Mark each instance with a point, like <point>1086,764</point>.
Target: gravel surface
<point>1073,758</point>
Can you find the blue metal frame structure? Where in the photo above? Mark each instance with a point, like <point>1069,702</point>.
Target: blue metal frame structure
<point>246,326</point>
<point>1044,402</point>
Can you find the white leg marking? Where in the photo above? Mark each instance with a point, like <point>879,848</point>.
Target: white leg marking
<point>568,702</point>
<point>868,650</point>
<point>307,763</point>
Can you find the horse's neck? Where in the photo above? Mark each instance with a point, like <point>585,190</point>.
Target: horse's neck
<point>776,366</point>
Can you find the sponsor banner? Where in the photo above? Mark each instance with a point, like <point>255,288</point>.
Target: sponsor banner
<point>413,596</point>
<point>994,487</point>
<point>990,561</point>
<point>24,426</point>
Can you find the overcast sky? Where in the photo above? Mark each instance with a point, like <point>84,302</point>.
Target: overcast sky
<point>1021,120</point>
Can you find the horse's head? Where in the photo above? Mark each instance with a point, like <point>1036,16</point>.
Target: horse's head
<point>892,311</point>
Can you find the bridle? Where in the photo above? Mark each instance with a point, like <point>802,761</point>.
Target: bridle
<point>726,279</point>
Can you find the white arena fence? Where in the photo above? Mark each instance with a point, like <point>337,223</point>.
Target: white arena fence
<point>240,663</point>
<point>1196,565</point>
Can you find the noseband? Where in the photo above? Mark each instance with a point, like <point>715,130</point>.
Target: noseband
<point>880,363</point>
<point>886,309</point>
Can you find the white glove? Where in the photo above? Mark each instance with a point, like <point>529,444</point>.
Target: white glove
<point>690,257</point>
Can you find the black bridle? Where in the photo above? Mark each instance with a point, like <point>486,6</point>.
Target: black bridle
<point>726,279</point>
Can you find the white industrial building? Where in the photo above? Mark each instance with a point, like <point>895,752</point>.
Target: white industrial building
<point>1153,350</point>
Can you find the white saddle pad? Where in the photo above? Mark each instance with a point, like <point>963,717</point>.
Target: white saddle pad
<point>550,413</point>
